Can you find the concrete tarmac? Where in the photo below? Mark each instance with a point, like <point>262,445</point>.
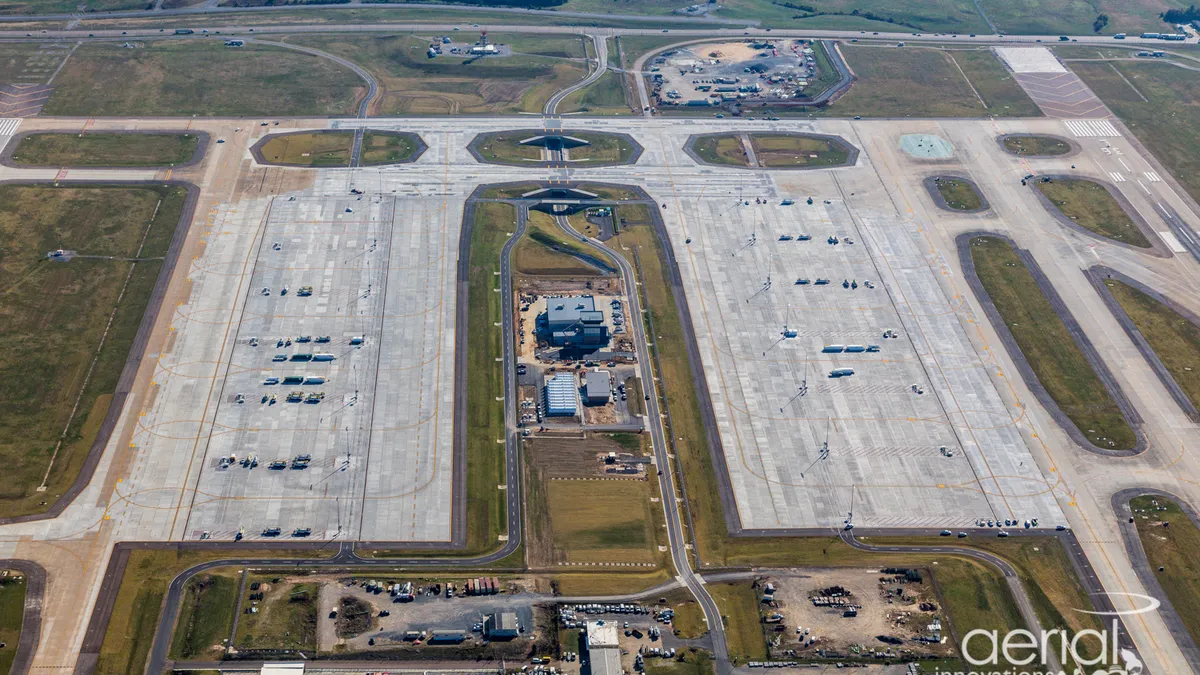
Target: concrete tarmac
<point>157,480</point>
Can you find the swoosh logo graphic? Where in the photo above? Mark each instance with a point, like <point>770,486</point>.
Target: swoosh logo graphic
<point>1149,603</point>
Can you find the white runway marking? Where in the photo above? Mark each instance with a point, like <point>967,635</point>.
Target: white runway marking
<point>1153,177</point>
<point>1116,176</point>
<point>1030,60</point>
<point>1172,243</point>
<point>1124,164</point>
<point>1091,128</point>
<point>8,127</point>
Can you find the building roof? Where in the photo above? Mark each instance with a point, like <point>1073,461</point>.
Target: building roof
<point>596,384</point>
<point>502,622</point>
<point>602,634</point>
<point>560,394</point>
<point>605,661</point>
<point>572,310</point>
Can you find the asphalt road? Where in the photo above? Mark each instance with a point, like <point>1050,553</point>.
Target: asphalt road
<point>676,539</point>
<point>601,44</point>
<point>356,4</point>
<point>223,32</point>
<point>372,88</point>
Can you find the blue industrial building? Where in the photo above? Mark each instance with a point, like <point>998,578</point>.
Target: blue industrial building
<point>575,322</point>
<point>559,392</point>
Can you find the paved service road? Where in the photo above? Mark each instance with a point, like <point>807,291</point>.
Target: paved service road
<point>666,480</point>
<point>372,88</point>
<point>601,44</point>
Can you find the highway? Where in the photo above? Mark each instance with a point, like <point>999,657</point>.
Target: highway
<point>220,31</point>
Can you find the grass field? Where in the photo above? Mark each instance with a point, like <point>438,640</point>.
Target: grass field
<point>414,84</point>
<point>602,521</point>
<point>1174,339</point>
<point>960,195</point>
<point>12,614</point>
<point>67,6</point>
<point>103,79</point>
<point>54,316</point>
<point>722,149</point>
<point>14,58</point>
<point>384,148</point>
<point>545,250</point>
<point>1089,205</point>
<point>104,149</point>
<point>486,506</point>
<point>505,148</point>
<point>334,148</point>
<point>921,82</point>
<point>1167,122</point>
<point>975,596</point>
<point>771,150</point>
<point>1036,145</point>
<point>139,603</point>
<point>995,84</point>
<point>1071,17</point>
<point>330,148</point>
<point>939,15</point>
<point>738,603</point>
<point>1171,541</point>
<point>689,618</point>
<point>205,616</point>
<point>687,662</point>
<point>605,96</point>
<point>1048,346</point>
<point>286,617</point>
<point>783,150</point>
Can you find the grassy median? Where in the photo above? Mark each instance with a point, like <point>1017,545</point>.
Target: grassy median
<point>1172,543</point>
<point>1036,146</point>
<point>1174,338</point>
<point>12,615</point>
<point>1048,345</point>
<point>504,147</point>
<point>1089,205</point>
<point>105,149</point>
<point>487,510</point>
<point>959,194</point>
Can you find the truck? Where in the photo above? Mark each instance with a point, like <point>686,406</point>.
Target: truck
<point>841,372</point>
<point>323,357</point>
<point>184,31</point>
<point>1119,36</point>
<point>1150,36</point>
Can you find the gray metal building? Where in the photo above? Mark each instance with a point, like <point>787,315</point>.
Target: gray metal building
<point>596,388</point>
